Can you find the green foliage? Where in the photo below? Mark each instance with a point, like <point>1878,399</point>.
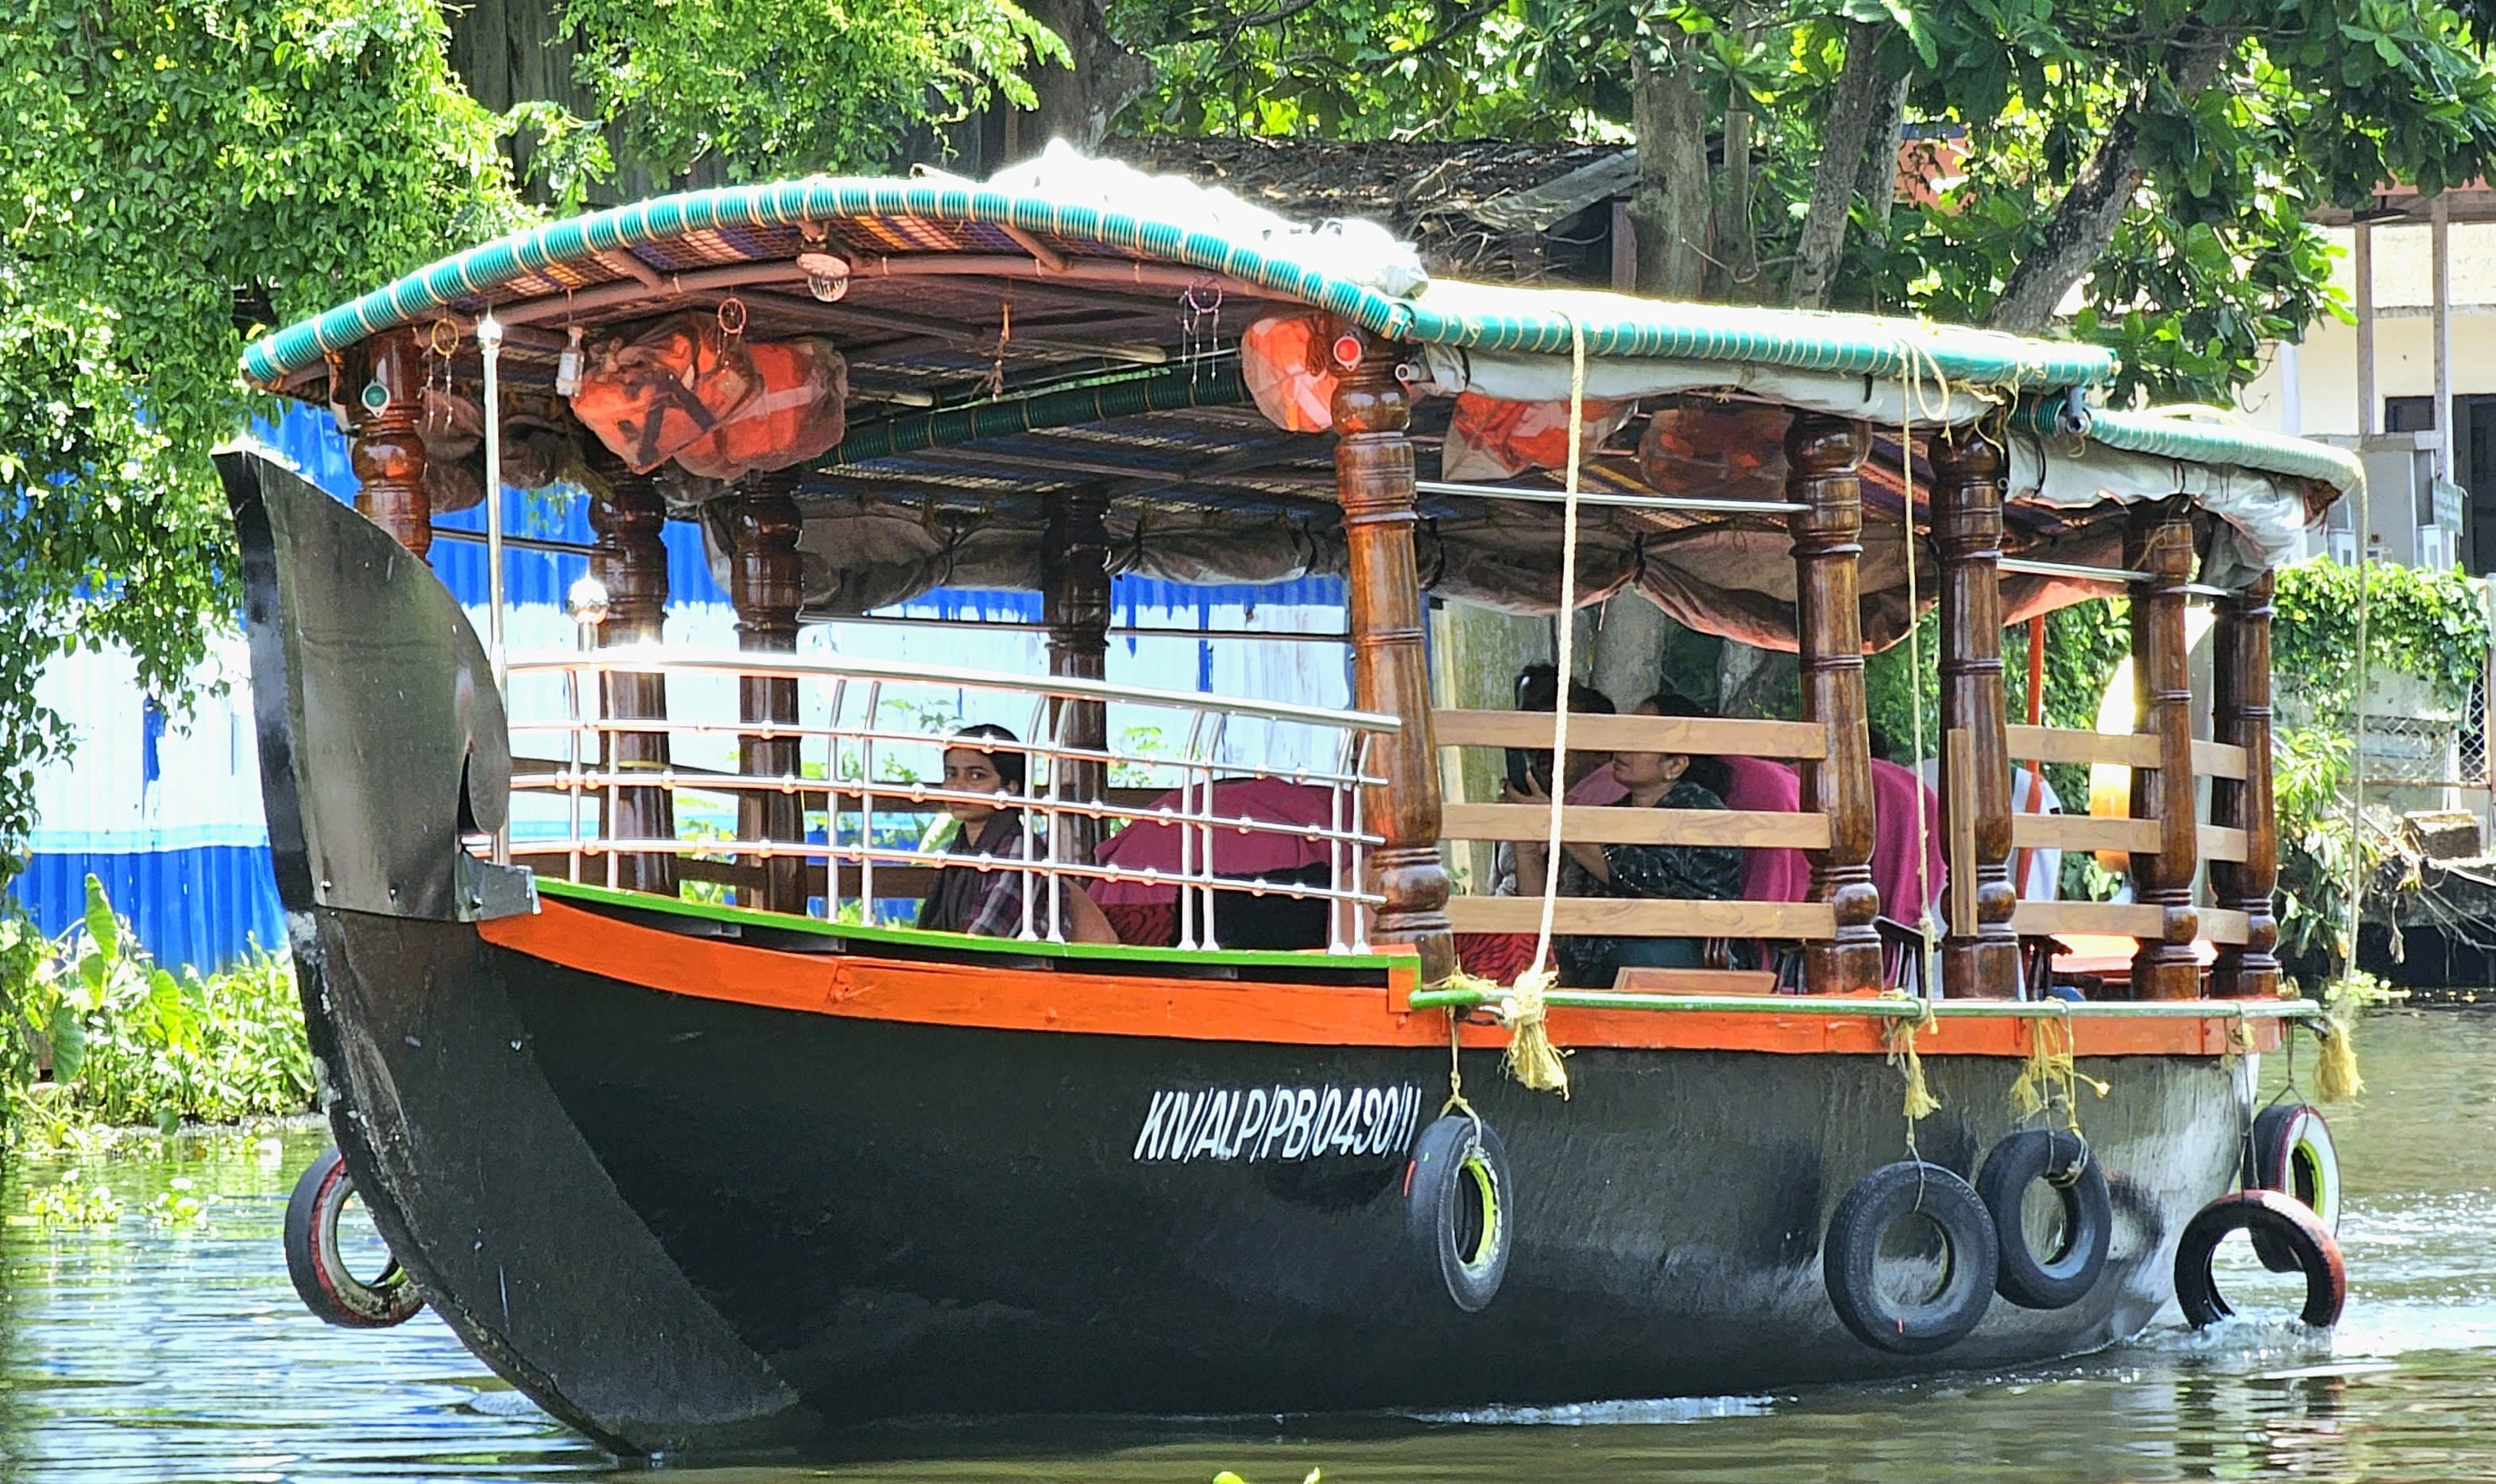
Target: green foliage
<point>102,1035</point>
<point>2428,625</point>
<point>2241,120</point>
<point>2318,848</point>
<point>180,174</point>
<point>786,88</point>
<point>2084,643</point>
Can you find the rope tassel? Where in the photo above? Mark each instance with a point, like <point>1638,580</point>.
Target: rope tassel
<point>1920,1099</point>
<point>2336,1078</point>
<point>1532,1059</point>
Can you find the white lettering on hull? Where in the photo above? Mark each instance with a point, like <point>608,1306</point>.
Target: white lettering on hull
<point>1284,1123</point>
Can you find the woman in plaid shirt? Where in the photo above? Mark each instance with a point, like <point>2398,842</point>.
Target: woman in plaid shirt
<point>985,900</point>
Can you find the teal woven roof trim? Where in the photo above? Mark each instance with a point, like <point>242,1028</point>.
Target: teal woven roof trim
<point>2220,444</point>
<point>1798,340</point>
<point>485,268</point>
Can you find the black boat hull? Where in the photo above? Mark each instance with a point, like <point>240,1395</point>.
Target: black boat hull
<point>812,1181</point>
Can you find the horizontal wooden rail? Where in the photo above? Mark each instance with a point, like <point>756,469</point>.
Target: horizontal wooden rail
<point>2130,749</point>
<point>2218,842</point>
<point>2062,744</point>
<point>2085,832</point>
<point>2117,919</point>
<point>2082,832</point>
<point>1747,829</point>
<point>2218,759</point>
<point>1619,918</point>
<point>1706,735</point>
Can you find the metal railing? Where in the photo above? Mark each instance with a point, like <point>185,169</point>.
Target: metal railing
<point>854,768</point>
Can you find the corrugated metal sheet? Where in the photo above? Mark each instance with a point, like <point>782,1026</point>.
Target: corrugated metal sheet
<point>203,907</point>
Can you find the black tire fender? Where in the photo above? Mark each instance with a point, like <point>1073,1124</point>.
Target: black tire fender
<point>322,1278</point>
<point>2291,1151</point>
<point>1851,1258</point>
<point>2062,1161</point>
<point>1459,1209</point>
<point>2290,1225</point>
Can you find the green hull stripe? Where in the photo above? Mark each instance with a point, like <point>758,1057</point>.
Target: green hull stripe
<point>964,942</point>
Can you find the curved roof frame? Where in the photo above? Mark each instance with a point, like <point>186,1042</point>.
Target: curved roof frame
<point>944,225</point>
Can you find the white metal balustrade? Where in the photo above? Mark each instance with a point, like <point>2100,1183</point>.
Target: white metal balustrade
<point>857,768</point>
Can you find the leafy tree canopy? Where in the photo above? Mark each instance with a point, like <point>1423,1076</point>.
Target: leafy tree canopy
<point>2161,155</point>
<point>178,175</point>
<point>781,87</point>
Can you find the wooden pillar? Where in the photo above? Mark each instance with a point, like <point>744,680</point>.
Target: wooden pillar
<point>2241,716</point>
<point>1373,471</point>
<point>387,454</point>
<point>766,588</point>
<point>1980,956</point>
<point>1823,452</point>
<point>631,561</point>
<point>1074,606</point>
<point>2158,541</point>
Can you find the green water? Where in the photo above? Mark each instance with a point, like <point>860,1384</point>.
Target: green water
<point>148,1350</point>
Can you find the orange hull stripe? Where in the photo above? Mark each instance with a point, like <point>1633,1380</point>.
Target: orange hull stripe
<point>1001,999</point>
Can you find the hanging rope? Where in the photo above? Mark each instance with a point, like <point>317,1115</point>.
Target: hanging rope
<point>2335,1069</point>
<point>1914,363</point>
<point>1532,1059</point>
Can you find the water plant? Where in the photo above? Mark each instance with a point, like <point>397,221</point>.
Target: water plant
<point>100,1034</point>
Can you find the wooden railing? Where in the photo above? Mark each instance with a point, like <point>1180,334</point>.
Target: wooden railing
<point>1614,917</point>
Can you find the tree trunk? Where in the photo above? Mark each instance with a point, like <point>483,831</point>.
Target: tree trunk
<point>1854,114</point>
<point>1877,184</point>
<point>1670,211</point>
<point>2083,224</point>
<point>1078,103</point>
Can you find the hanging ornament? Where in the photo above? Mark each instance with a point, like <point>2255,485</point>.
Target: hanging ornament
<point>567,367</point>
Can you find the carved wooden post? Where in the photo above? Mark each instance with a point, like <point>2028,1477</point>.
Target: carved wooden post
<point>2160,543</point>
<point>631,563</point>
<point>1980,956</point>
<point>387,454</point>
<point>1373,471</point>
<point>766,588</point>
<point>1074,604</point>
<point>2241,714</point>
<point>1823,452</point>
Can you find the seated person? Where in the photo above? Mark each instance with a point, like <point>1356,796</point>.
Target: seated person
<point>988,904</point>
<point>1640,872</point>
<point>1529,769</point>
<point>1755,785</point>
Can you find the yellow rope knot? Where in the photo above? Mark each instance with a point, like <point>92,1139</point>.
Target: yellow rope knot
<point>2336,1061</point>
<point>1900,1037</point>
<point>1531,1058</point>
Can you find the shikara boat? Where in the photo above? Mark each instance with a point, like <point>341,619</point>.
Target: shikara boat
<point>690,1134</point>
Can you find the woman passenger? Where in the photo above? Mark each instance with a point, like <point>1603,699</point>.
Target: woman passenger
<point>1706,873</point>
<point>987,903</point>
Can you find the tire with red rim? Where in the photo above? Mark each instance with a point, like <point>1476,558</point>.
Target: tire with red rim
<point>2279,1222</point>
<point>324,1282</point>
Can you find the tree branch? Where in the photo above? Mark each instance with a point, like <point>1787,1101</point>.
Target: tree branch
<point>2085,219</point>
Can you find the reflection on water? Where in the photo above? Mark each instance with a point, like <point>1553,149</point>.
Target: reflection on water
<point>154,1351</point>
